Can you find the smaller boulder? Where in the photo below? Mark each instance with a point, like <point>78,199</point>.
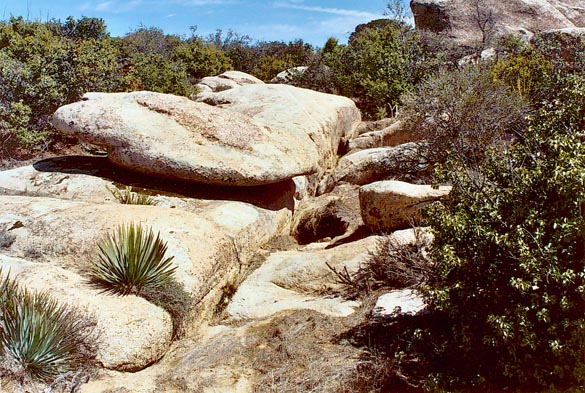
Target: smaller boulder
<point>227,80</point>
<point>398,303</point>
<point>393,135</point>
<point>370,165</point>
<point>390,205</point>
<point>287,75</point>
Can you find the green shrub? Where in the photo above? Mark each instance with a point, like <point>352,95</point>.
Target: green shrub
<point>462,114</point>
<point>510,260</point>
<point>40,339</point>
<point>131,259</point>
<point>127,197</point>
<point>201,60</point>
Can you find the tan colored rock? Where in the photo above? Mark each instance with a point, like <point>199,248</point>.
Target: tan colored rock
<point>457,18</point>
<point>288,75</point>
<point>390,205</point>
<point>133,333</point>
<point>292,280</point>
<point>323,119</point>
<point>209,247</point>
<point>393,135</point>
<point>241,78</point>
<point>370,165</point>
<point>227,80</point>
<point>174,137</point>
<point>217,83</point>
<point>374,125</point>
<point>327,216</point>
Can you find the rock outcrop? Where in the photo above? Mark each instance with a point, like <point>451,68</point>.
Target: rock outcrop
<point>390,205</point>
<point>174,137</point>
<point>393,135</point>
<point>327,216</point>
<point>292,280</point>
<point>227,80</point>
<point>458,18</point>
<point>317,122</point>
<point>370,165</point>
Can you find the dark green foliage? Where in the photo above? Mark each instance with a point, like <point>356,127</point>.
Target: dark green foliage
<point>131,259</point>
<point>383,60</point>
<point>509,254</point>
<point>40,339</point>
<point>200,59</point>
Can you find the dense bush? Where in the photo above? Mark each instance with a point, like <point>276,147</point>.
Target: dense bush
<point>40,339</point>
<point>462,114</point>
<point>511,262</point>
<point>383,60</point>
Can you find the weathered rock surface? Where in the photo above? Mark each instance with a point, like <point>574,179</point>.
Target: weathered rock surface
<point>225,81</point>
<point>374,125</point>
<point>317,122</point>
<point>393,135</point>
<point>457,18</point>
<point>327,216</point>
<point>174,137</point>
<point>398,303</point>
<point>390,205</point>
<point>290,280</point>
<point>241,78</point>
<point>370,165</point>
<point>133,333</point>
<point>209,247</point>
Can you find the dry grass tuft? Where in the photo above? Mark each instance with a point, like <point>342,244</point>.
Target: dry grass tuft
<point>392,265</point>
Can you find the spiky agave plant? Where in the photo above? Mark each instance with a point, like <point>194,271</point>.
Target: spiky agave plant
<point>39,338</point>
<point>130,259</point>
<point>128,197</point>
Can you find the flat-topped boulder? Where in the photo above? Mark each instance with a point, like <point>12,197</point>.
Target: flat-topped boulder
<point>174,137</point>
<point>323,119</point>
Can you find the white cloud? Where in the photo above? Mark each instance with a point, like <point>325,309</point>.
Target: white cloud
<point>325,10</point>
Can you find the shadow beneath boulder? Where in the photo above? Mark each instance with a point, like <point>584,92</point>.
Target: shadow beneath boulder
<point>274,196</point>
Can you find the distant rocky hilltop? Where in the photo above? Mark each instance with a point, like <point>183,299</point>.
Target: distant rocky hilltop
<point>458,18</point>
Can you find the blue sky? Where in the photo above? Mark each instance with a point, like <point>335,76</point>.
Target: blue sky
<point>312,20</point>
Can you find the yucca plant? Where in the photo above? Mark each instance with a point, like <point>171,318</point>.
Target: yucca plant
<point>130,259</point>
<point>39,338</point>
<point>127,197</point>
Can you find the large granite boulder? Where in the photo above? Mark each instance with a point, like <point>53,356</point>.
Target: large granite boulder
<point>323,121</point>
<point>457,18</point>
<point>283,132</point>
<point>211,244</point>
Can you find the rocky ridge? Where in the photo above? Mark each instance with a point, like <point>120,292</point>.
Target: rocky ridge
<point>458,18</point>
<point>232,237</point>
